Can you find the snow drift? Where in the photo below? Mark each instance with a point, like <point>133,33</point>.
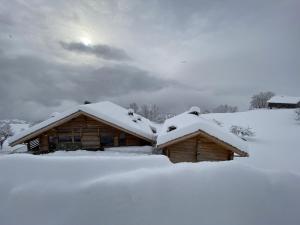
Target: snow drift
<point>275,145</point>
<point>142,190</point>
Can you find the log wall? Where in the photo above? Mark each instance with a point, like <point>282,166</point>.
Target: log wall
<point>197,149</point>
<point>184,151</point>
<point>90,132</point>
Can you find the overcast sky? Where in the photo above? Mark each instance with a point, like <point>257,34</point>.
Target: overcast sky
<point>56,54</point>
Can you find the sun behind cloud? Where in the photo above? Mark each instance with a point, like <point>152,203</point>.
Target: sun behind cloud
<point>86,40</point>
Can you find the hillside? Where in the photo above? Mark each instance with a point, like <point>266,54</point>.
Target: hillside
<point>275,145</point>
<point>16,126</point>
<point>74,188</point>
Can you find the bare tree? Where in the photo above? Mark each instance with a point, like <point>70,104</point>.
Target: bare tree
<point>225,109</point>
<point>260,100</point>
<point>154,112</point>
<point>151,112</point>
<point>134,106</point>
<point>5,132</point>
<point>297,111</point>
<point>145,111</point>
<point>242,131</point>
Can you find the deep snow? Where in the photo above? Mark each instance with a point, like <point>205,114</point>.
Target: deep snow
<point>276,144</point>
<point>17,126</point>
<point>70,188</point>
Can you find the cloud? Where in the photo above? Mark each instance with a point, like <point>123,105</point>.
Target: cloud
<point>100,50</point>
<point>28,81</point>
<point>232,49</point>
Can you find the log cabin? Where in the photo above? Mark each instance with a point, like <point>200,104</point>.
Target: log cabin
<point>189,137</point>
<point>284,102</point>
<point>90,127</point>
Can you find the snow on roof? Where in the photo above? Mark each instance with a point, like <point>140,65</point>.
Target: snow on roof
<point>187,123</point>
<point>284,99</point>
<point>106,111</point>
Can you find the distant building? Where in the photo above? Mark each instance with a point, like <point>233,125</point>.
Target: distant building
<point>280,101</point>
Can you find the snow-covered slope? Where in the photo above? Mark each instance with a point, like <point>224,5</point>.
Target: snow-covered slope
<point>16,126</point>
<point>94,188</point>
<point>276,144</point>
<point>139,190</point>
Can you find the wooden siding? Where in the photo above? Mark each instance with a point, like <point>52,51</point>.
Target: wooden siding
<point>184,151</point>
<point>208,150</point>
<point>89,131</point>
<point>283,105</point>
<point>44,143</point>
<point>197,149</point>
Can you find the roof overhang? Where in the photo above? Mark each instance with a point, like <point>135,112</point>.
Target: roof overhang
<point>68,118</point>
<point>226,145</point>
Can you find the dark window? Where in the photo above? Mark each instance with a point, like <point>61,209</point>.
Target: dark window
<point>53,141</point>
<point>107,139</point>
<point>153,130</point>
<point>77,139</point>
<point>170,128</point>
<point>64,139</point>
<point>122,139</point>
<point>194,113</point>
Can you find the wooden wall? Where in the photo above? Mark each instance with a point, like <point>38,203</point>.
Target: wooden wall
<point>197,149</point>
<point>90,132</point>
<point>184,151</point>
<point>283,105</point>
<point>210,151</point>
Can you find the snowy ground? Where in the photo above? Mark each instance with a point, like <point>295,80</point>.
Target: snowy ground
<point>112,188</point>
<point>16,127</point>
<point>276,144</point>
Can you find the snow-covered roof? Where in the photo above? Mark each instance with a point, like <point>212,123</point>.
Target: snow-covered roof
<point>105,111</point>
<point>284,99</point>
<point>187,123</point>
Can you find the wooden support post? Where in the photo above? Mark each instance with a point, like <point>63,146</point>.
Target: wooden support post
<point>116,141</point>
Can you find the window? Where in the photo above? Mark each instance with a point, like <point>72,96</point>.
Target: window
<point>64,139</point>
<point>53,140</point>
<point>106,139</point>
<point>77,139</point>
<point>154,131</point>
<point>122,139</point>
<point>195,113</point>
<point>170,128</point>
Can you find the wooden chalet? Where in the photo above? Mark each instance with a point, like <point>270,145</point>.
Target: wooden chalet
<point>285,102</point>
<point>91,127</point>
<point>190,138</point>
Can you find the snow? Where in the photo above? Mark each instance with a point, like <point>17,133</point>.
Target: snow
<point>106,111</point>
<point>16,126</point>
<point>284,99</point>
<point>142,190</point>
<point>277,135</point>
<point>123,187</point>
<point>187,123</point>
<point>112,151</point>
